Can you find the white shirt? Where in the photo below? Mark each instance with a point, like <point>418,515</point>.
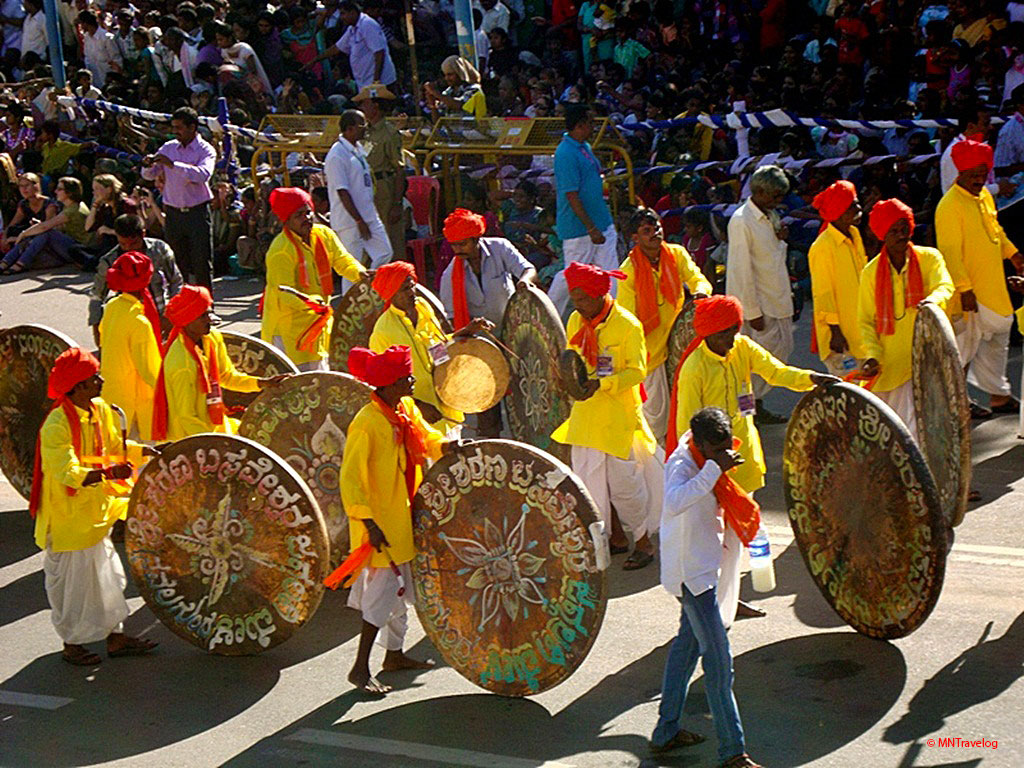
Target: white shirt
<point>361,42</point>
<point>100,52</point>
<point>755,271</point>
<point>501,265</point>
<point>694,539</point>
<point>498,16</point>
<point>483,45</point>
<point>33,34</point>
<point>12,9</point>
<point>948,171</point>
<point>346,168</point>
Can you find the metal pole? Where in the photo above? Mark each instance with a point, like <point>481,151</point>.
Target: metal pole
<point>54,43</point>
<point>410,33</point>
<point>229,153</point>
<point>466,32</point>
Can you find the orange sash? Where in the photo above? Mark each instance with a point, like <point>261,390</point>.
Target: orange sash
<point>739,510</point>
<point>409,436</point>
<point>586,337</point>
<point>71,413</point>
<point>646,293</point>
<point>209,382</point>
<point>885,313</point>
<point>459,293</point>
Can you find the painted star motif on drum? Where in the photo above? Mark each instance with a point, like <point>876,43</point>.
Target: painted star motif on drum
<point>505,571</point>
<point>217,548</point>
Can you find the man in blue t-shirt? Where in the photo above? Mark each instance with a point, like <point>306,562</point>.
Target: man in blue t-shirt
<point>583,222</point>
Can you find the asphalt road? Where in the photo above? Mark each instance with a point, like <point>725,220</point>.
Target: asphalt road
<point>811,690</point>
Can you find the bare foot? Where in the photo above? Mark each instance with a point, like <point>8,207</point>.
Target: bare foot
<point>361,678</point>
<point>396,660</point>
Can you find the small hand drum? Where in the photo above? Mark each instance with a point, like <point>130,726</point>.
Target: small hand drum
<point>474,378</point>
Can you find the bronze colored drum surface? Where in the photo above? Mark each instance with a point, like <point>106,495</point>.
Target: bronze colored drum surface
<point>305,421</point>
<point>255,357</point>
<point>474,378</point>
<point>27,353</point>
<point>357,312</point>
<point>942,409</point>
<point>507,585</point>
<point>679,339</point>
<point>574,373</point>
<point>864,510</point>
<point>537,401</point>
<point>226,544</point>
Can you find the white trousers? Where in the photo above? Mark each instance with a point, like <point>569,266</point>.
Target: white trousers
<point>581,249</point>
<point>85,589</point>
<point>635,485</point>
<point>658,396</point>
<point>777,338</point>
<point>315,365</point>
<point>984,339</point>
<point>375,594</point>
<point>376,249</point>
<point>901,400</point>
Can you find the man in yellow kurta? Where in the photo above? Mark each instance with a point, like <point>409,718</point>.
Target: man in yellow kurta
<point>196,368</point>
<point>716,371</point>
<point>388,442</point>
<point>892,287</point>
<point>836,260</point>
<point>410,321</point>
<point>974,246</point>
<point>80,486</point>
<point>613,448</point>
<point>131,338</point>
<point>656,272</point>
<point>303,257</point>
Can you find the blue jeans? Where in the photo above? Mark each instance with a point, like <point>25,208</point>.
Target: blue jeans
<point>63,249</point>
<point>701,635</point>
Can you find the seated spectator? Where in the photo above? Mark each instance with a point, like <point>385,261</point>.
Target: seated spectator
<point>33,207</point>
<point>107,204</point>
<point>463,96</point>
<point>61,239</point>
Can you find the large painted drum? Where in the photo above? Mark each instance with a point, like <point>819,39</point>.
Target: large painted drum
<point>227,544</point>
<point>508,586</point>
<point>538,399</point>
<point>942,409</point>
<point>27,353</point>
<point>256,358</point>
<point>305,420</point>
<point>864,510</point>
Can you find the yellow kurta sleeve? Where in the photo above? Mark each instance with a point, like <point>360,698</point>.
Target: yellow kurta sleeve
<point>866,312</point>
<point>689,273</point>
<point>355,486</point>
<point>950,237</point>
<point>938,284</point>
<point>434,439</point>
<point>632,351</point>
<point>821,261</point>
<point>183,394</point>
<point>769,368</point>
<point>342,261</point>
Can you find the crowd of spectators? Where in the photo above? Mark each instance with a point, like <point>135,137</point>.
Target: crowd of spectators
<point>632,60</point>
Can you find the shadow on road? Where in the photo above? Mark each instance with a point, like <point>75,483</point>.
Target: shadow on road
<point>995,474</point>
<point>17,532</point>
<point>800,699</point>
<point>981,672</point>
<point>127,707</point>
<point>793,578</point>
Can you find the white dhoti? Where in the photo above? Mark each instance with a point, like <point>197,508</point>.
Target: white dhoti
<point>901,400</point>
<point>373,252</point>
<point>777,338</point>
<point>375,595</point>
<point>583,250</point>
<point>85,589</point>
<point>635,485</point>
<point>656,405</point>
<point>314,365</point>
<point>729,576</point>
<point>984,340</point>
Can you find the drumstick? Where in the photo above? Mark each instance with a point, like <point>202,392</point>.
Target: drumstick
<point>398,573</point>
<point>300,294</point>
<point>124,429</point>
<point>497,341</point>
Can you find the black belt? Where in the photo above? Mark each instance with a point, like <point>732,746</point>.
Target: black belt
<point>179,209</point>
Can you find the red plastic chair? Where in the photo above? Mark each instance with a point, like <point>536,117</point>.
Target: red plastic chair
<point>423,193</point>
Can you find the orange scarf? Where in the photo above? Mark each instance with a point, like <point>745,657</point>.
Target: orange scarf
<point>149,309</point>
<point>459,293</point>
<point>740,511</point>
<point>323,265</point>
<point>646,295</point>
<point>71,413</point>
<point>885,313</point>
<point>408,435</point>
<point>209,382</point>
<point>586,337</point>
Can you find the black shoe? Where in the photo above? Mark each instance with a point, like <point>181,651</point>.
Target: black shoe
<point>1010,406</point>
<point>980,412</point>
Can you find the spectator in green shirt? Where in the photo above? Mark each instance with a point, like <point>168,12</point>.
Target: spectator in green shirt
<point>58,240</point>
<point>627,50</point>
<point>56,151</point>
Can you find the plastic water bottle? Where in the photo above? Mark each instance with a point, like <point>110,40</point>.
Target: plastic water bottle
<point>849,364</point>
<point>762,571</point>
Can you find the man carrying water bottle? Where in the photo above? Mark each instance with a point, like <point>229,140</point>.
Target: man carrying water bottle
<point>705,515</point>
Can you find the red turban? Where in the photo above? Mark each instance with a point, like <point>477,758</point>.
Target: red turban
<point>885,213</point>
<point>833,201</point>
<point>284,201</point>
<point>381,370</point>
<point>391,277</point>
<point>188,305</point>
<point>462,225</point>
<point>131,271</point>
<point>73,366</point>
<point>969,154</point>
<point>711,315</point>
<point>594,281</point>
